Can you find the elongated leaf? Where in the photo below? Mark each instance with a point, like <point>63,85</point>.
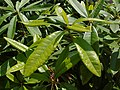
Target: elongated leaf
<point>16,44</point>
<point>17,6</point>
<point>32,30</point>
<point>5,8</point>
<point>61,12</point>
<point>62,57</point>
<point>3,29</point>
<point>68,62</point>
<point>97,8</point>
<point>97,20</point>
<point>79,28</point>
<point>12,28</point>
<point>34,23</point>
<point>4,17</point>
<point>86,75</point>
<point>31,5</point>
<point>18,66</point>
<point>88,56</point>
<point>78,7</point>
<point>23,2</point>
<point>42,52</point>
<point>10,4</point>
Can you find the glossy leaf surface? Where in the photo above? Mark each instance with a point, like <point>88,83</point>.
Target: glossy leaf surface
<point>16,44</point>
<point>42,52</point>
<point>88,56</point>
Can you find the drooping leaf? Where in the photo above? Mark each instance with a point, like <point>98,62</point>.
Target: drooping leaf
<point>97,8</point>
<point>67,63</point>
<point>32,30</point>
<point>5,8</point>
<point>16,44</point>
<point>3,29</point>
<point>42,52</point>
<point>61,12</point>
<point>12,28</point>
<point>9,2</point>
<point>4,17</point>
<point>86,75</point>
<point>88,56</point>
<point>79,28</point>
<point>78,7</point>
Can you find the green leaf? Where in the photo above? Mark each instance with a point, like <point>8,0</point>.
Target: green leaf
<point>36,37</point>
<point>5,66</point>
<point>88,56</point>
<point>16,44</point>
<point>92,38</point>
<point>97,20</point>
<point>78,7</point>
<point>79,28</point>
<point>97,8</point>
<point>61,12</point>
<point>18,66</point>
<point>32,30</point>
<point>68,62</point>
<point>86,75</point>
<point>23,2</point>
<point>4,17</point>
<point>31,5</point>
<point>5,8</point>
<point>17,6</point>
<point>114,27</point>
<point>34,23</point>
<point>67,86</point>
<point>12,28</point>
<point>62,57</point>
<point>12,77</point>
<point>10,4</point>
<point>42,52</point>
<point>37,77</point>
<point>3,29</point>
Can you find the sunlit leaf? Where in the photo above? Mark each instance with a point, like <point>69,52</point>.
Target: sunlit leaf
<point>79,28</point>
<point>42,52</point>
<point>88,56</point>
<point>61,12</point>
<point>78,7</point>
<point>9,2</point>
<point>16,44</point>
<point>4,17</point>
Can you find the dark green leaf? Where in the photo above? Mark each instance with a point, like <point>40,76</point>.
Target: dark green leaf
<point>3,29</point>
<point>68,62</point>
<point>86,75</point>
<point>12,28</point>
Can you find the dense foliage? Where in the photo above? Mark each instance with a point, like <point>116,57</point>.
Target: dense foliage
<point>59,45</point>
